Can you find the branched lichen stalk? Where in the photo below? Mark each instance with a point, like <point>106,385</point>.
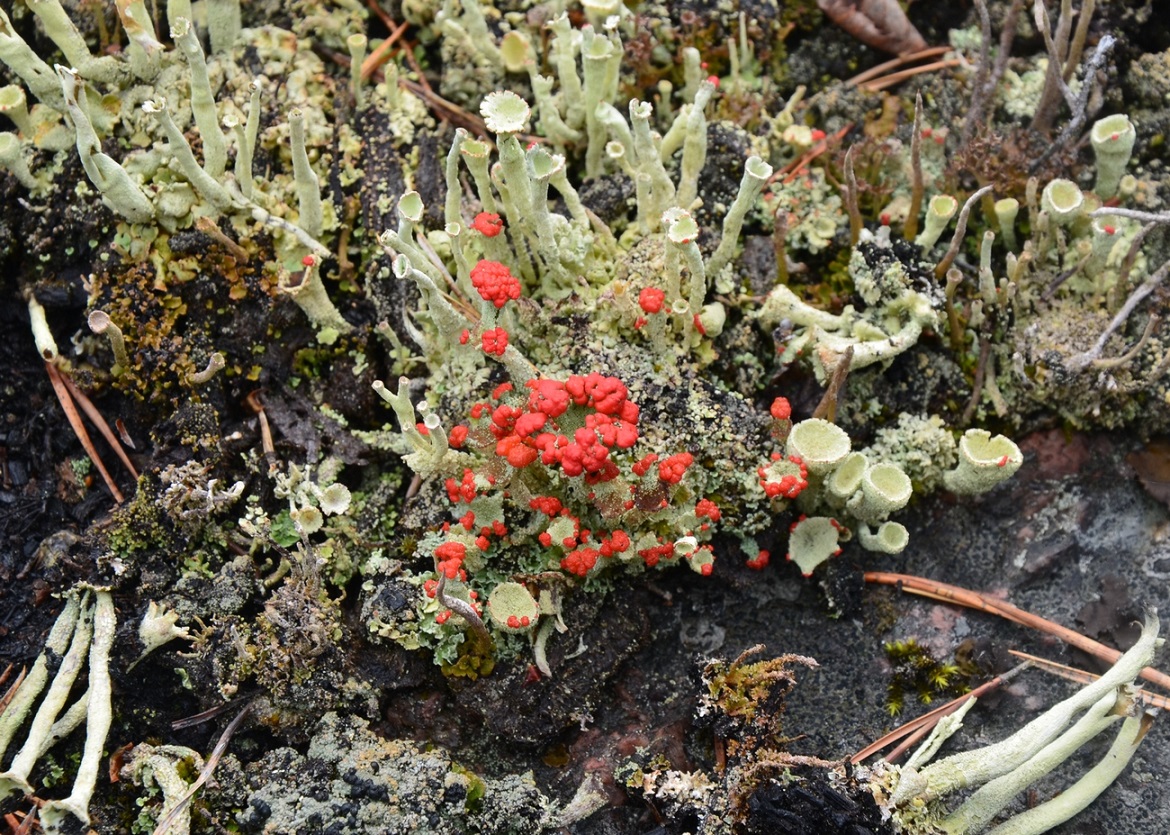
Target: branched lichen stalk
<point>974,768</point>
<point>204,183</point>
<point>1082,361</point>
<point>1080,104</point>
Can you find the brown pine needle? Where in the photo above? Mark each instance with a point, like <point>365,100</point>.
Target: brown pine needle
<point>1084,677</point>
<point>382,53</point>
<point>74,418</point>
<point>205,775</point>
<point>7,697</point>
<point>900,61</point>
<point>879,84</point>
<point>794,169</point>
<point>965,597</point>
<point>915,729</point>
<point>91,411</point>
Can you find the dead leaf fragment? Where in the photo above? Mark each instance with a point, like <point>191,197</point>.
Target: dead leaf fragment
<point>878,23</point>
<point>1152,466</point>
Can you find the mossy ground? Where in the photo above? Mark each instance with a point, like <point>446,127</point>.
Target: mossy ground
<point>1074,537</point>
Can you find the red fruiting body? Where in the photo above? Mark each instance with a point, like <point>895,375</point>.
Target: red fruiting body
<point>488,224</point>
<point>673,468</point>
<point>643,466</point>
<point>495,283</point>
<point>781,409</point>
<point>760,561</point>
<point>464,490</point>
<point>615,543</point>
<point>548,505</point>
<point>529,422</point>
<point>517,453</point>
<point>709,509</point>
<point>464,337</point>
<point>651,300</point>
<point>457,436</point>
<point>580,561</point>
<point>451,555</point>
<point>548,397</point>
<point>495,341</point>
<point>653,554</point>
<point>443,616</point>
<point>784,477</point>
<point>504,419</point>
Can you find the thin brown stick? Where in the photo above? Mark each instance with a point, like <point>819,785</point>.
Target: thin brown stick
<point>1117,362</point>
<point>29,821</point>
<point>979,89</point>
<point>422,78</point>
<point>209,227</point>
<point>377,11</point>
<point>965,597</point>
<point>205,716</point>
<point>954,327</point>
<point>74,418</point>
<point>780,245</point>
